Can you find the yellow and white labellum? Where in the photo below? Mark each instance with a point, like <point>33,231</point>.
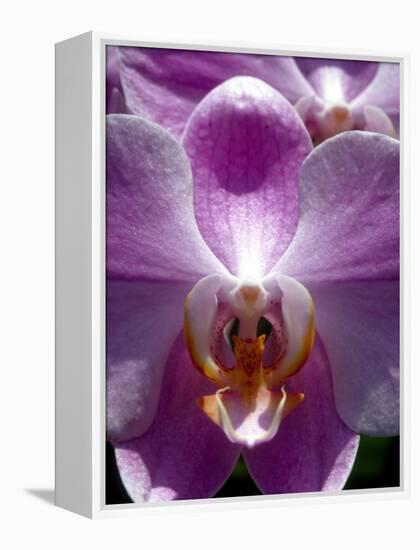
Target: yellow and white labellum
<point>250,369</point>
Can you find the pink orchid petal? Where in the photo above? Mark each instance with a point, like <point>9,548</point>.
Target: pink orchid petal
<point>359,325</point>
<point>337,80</point>
<point>349,203</point>
<point>313,450</point>
<point>246,145</point>
<point>151,230</point>
<point>383,92</point>
<point>346,252</point>
<point>376,120</point>
<point>183,455</point>
<point>165,85</point>
<point>143,321</point>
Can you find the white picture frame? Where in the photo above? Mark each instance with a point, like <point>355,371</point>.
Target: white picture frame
<point>80,278</point>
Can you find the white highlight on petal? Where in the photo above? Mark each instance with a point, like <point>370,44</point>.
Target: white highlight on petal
<point>332,91</point>
<point>250,264</point>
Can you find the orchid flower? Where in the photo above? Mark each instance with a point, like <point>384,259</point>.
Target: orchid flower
<point>331,96</point>
<point>252,297</point>
<point>348,95</point>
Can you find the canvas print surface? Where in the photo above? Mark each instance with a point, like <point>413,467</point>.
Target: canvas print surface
<point>252,317</point>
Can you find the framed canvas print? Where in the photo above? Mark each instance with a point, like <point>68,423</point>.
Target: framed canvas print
<point>228,274</point>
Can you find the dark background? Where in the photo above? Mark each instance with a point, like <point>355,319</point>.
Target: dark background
<point>377,465</point>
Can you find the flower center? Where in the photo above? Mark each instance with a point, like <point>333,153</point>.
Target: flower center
<point>336,118</point>
<point>274,325</point>
<point>325,118</point>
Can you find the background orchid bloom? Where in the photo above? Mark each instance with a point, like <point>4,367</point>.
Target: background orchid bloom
<point>348,95</point>
<point>239,211</point>
<point>331,96</point>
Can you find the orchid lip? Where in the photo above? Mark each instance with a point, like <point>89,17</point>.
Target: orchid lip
<point>250,440</point>
<point>249,369</point>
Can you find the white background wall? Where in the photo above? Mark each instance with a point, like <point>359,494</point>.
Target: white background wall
<point>28,32</point>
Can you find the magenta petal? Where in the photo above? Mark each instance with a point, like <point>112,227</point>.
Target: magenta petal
<point>183,455</point>
<point>246,145</point>
<point>151,230</point>
<point>165,85</point>
<point>143,319</point>
<point>382,92</point>
<point>349,222</point>
<point>332,78</point>
<point>313,450</point>
<point>359,325</point>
